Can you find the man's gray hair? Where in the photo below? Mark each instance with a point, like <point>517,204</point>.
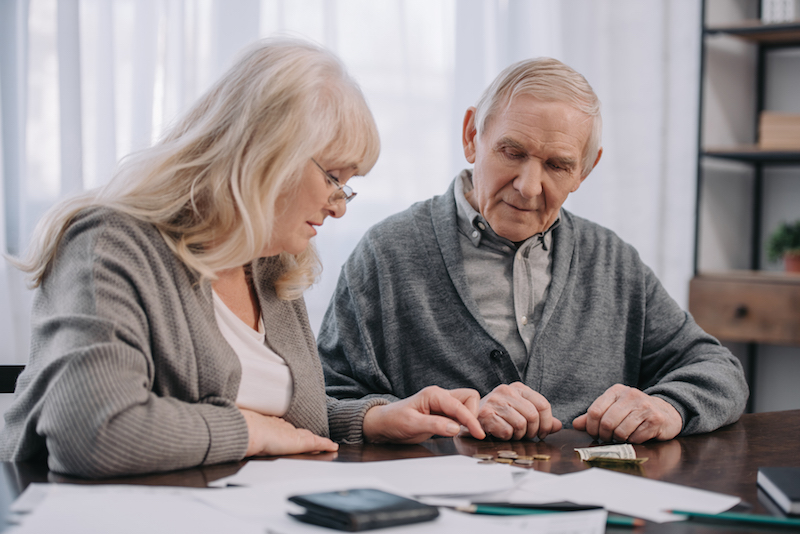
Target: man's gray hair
<point>549,80</point>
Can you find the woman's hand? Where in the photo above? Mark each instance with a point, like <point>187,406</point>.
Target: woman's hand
<point>272,436</point>
<point>432,411</point>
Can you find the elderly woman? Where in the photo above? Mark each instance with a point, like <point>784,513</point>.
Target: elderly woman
<point>169,328</point>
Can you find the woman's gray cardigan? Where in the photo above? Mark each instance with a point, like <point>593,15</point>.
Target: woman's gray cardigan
<point>128,371</point>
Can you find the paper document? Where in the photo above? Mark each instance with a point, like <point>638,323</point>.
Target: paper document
<point>452,522</point>
<point>620,493</point>
<point>268,504</point>
<point>90,509</point>
<point>100,509</point>
<point>417,476</point>
<point>258,503</point>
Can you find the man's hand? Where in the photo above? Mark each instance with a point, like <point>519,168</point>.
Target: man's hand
<point>432,411</point>
<point>515,411</point>
<point>272,436</point>
<point>624,413</point>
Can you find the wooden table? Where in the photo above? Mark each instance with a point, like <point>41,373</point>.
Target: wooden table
<point>724,461</point>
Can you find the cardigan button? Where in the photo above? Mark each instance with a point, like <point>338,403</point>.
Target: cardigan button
<point>496,354</point>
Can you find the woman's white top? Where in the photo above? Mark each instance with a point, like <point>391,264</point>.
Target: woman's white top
<point>266,385</point>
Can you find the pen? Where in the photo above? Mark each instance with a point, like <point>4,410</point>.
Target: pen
<point>732,517</point>
<point>617,521</point>
<point>563,506</point>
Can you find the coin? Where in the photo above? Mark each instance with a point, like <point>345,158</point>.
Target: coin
<point>541,456</point>
<point>483,456</point>
<point>487,462</point>
<point>523,461</point>
<point>504,461</point>
<point>507,454</point>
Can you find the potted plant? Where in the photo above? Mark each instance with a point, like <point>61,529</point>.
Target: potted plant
<point>785,243</point>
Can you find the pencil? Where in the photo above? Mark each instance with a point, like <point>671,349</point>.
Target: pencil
<point>617,521</point>
<point>732,517</point>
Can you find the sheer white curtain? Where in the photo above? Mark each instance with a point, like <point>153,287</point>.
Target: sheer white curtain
<point>84,82</point>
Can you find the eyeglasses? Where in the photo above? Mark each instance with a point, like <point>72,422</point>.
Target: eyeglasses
<point>343,192</point>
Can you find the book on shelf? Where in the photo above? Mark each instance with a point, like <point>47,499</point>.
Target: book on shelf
<point>779,131</point>
<point>782,484</point>
<point>777,11</point>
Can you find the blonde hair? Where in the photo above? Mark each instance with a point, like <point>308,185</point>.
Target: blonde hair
<point>548,80</point>
<point>210,185</point>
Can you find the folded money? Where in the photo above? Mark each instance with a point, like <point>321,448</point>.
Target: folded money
<point>601,461</point>
<point>622,451</point>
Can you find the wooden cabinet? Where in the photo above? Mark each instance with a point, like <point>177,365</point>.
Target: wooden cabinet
<point>753,307</point>
<point>735,295</point>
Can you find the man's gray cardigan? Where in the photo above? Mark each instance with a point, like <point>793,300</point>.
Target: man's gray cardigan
<point>128,371</point>
<point>403,318</point>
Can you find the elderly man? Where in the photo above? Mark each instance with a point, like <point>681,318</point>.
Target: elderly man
<point>494,286</point>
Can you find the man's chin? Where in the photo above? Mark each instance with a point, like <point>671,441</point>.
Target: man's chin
<point>516,235</point>
<point>517,227</point>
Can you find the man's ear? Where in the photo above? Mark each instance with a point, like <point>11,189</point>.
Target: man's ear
<point>469,134</point>
<point>596,160</point>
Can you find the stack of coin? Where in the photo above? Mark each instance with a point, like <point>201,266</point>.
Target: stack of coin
<point>510,457</point>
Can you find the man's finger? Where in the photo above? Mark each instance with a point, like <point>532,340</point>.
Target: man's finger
<point>579,423</point>
<point>522,415</point>
<point>506,414</point>
<point>496,426</point>
<point>597,411</point>
<point>643,432</point>
<point>623,422</point>
<point>546,424</point>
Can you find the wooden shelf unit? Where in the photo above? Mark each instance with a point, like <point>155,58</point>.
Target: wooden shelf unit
<point>757,32</point>
<point>752,154</point>
<point>750,306</point>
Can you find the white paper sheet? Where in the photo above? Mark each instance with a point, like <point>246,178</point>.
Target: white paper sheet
<point>101,509</point>
<point>67,508</point>
<point>267,503</point>
<point>621,493</point>
<point>263,502</point>
<point>451,522</point>
<point>417,476</point>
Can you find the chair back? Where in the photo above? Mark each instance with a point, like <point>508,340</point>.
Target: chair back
<point>8,377</point>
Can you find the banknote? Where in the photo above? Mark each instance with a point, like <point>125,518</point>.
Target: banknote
<point>622,451</point>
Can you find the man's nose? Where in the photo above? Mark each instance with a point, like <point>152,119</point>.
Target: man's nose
<point>528,182</point>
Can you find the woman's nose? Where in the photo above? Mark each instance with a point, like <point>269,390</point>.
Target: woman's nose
<point>338,208</point>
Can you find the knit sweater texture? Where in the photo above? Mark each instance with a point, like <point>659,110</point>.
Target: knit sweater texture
<point>403,317</point>
<point>128,371</point>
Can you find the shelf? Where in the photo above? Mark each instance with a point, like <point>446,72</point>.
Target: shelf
<point>742,275</point>
<point>753,154</point>
<point>754,31</point>
<point>748,306</point>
